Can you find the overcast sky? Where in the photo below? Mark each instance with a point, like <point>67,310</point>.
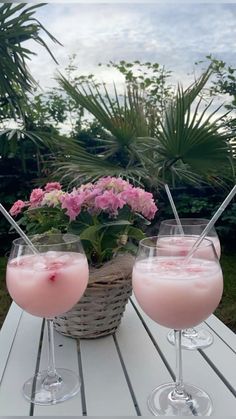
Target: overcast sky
<point>174,34</point>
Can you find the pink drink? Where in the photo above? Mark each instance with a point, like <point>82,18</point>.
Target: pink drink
<point>175,295</point>
<point>184,244</point>
<point>47,284</point>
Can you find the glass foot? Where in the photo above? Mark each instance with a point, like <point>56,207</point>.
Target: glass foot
<point>39,389</point>
<point>195,402</point>
<point>192,339</point>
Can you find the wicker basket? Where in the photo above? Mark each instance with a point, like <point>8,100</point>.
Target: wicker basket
<point>101,308</point>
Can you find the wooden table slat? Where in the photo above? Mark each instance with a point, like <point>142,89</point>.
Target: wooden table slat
<point>118,371</point>
<point>20,366</point>
<point>196,370</point>
<point>225,334</point>
<point>144,366</point>
<point>66,356</point>
<point>106,389</point>
<point>7,335</point>
<point>222,357</point>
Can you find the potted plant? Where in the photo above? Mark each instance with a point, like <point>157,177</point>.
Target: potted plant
<point>108,215</point>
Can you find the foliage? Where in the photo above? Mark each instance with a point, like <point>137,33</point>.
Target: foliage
<point>189,144</point>
<point>107,215</point>
<point>225,82</point>
<point>30,137</point>
<point>226,309</point>
<point>223,86</point>
<point>122,120</point>
<point>24,147</point>
<point>5,299</point>
<point>192,145</point>
<point>202,202</point>
<point>150,79</point>
<point>17,25</point>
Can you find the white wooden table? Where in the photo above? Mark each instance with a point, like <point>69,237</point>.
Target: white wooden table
<point>118,372</point>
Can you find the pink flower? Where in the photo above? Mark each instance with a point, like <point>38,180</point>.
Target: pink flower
<point>110,202</point>
<point>17,207</point>
<point>51,186</point>
<point>140,201</point>
<point>36,197</point>
<point>116,184</point>
<point>73,202</point>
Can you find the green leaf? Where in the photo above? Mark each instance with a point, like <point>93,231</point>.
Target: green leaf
<point>135,233</point>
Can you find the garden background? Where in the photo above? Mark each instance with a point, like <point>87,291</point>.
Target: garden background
<point>125,115</point>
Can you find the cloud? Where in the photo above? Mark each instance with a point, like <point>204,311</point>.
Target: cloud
<point>173,34</point>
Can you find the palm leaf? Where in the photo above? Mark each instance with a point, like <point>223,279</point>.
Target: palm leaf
<point>17,25</point>
<point>124,121</point>
<point>191,143</point>
<point>120,119</point>
<point>81,166</point>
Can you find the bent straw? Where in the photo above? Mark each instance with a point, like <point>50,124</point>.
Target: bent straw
<point>17,228</point>
<point>174,209</point>
<point>211,222</point>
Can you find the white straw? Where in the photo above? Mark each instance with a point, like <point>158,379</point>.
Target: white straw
<point>212,222</point>
<point>174,209</point>
<point>17,228</point>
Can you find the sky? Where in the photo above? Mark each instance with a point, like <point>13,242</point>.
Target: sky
<point>174,34</point>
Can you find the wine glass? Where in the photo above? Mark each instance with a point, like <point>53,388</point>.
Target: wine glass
<point>46,280</point>
<point>191,338</point>
<point>177,292</point>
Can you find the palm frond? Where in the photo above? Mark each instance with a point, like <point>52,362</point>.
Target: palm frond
<point>192,92</point>
<point>192,143</point>
<point>75,165</point>
<point>122,117</point>
<point>18,25</point>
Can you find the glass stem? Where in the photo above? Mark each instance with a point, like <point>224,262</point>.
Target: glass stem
<point>179,386</point>
<point>51,351</point>
<point>52,381</point>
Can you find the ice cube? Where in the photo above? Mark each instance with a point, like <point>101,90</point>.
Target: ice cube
<point>51,254</point>
<point>63,258</point>
<point>38,266</point>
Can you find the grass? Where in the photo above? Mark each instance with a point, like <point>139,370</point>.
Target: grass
<point>226,310</point>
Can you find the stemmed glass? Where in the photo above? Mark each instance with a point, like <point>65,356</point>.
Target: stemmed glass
<point>177,292</point>
<point>191,338</point>
<point>47,280</point>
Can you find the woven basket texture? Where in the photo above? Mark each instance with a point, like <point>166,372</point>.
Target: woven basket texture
<point>101,308</point>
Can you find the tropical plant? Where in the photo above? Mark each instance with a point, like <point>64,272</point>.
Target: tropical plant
<point>151,80</point>
<point>193,144</point>
<point>17,25</point>
<point>189,143</point>
<point>23,147</point>
<point>122,119</point>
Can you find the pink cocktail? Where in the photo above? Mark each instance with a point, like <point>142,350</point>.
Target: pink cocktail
<point>47,284</point>
<point>183,244</point>
<point>46,276</point>
<point>177,292</point>
<point>177,295</point>
<point>193,227</point>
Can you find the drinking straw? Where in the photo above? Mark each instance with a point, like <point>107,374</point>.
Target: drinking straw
<point>211,222</point>
<point>174,209</point>
<point>17,228</point>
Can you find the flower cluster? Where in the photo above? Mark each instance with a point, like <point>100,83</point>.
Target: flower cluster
<point>103,213</point>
